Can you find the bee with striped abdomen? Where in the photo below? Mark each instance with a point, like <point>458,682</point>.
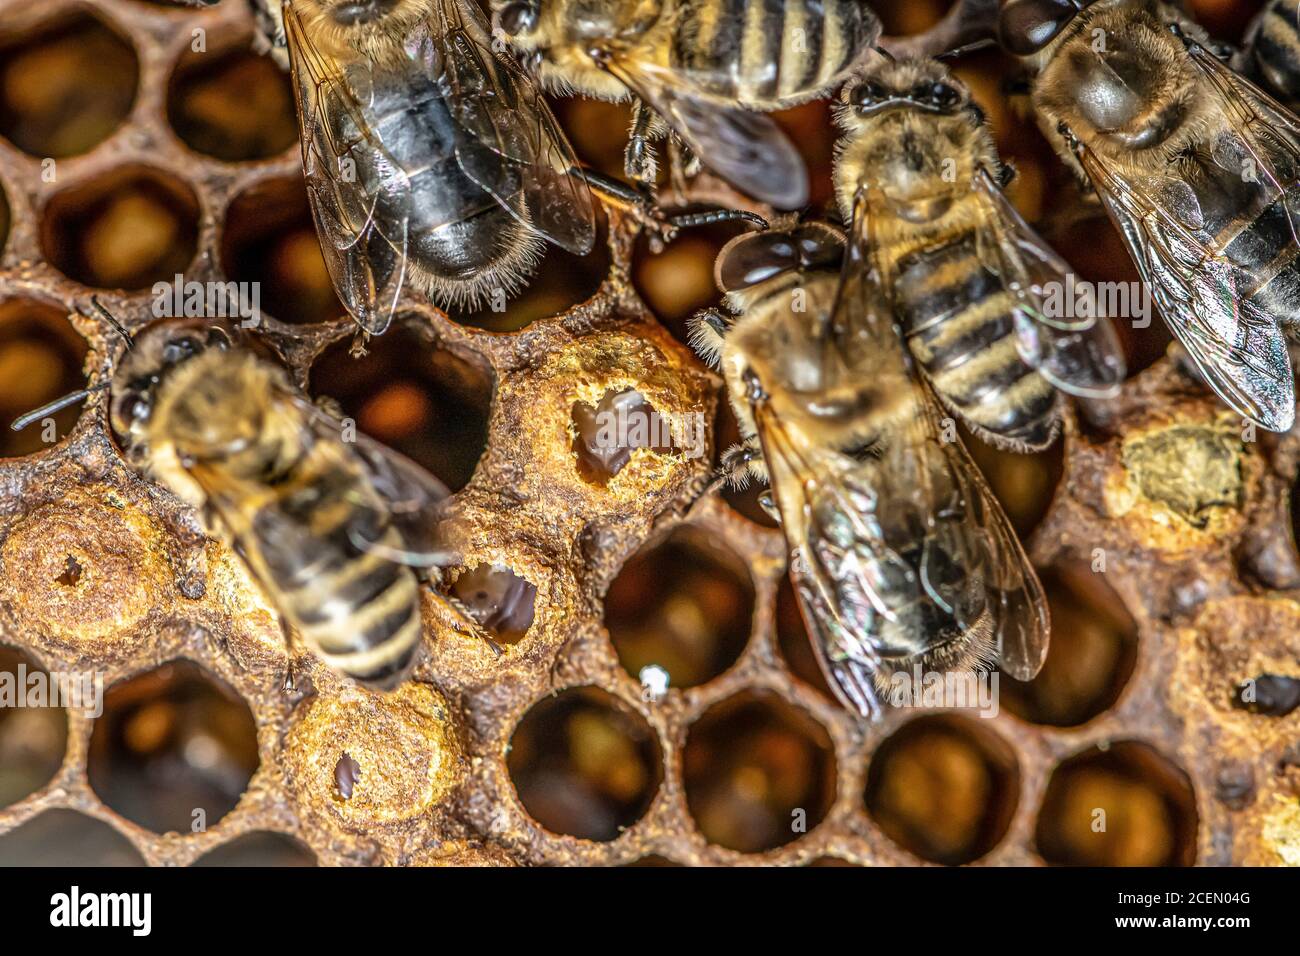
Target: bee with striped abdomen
<point>431,159</point>
<point>1271,55</point>
<point>900,555</point>
<point>336,532</point>
<point>970,281</point>
<point>1198,169</point>
<point>707,68</point>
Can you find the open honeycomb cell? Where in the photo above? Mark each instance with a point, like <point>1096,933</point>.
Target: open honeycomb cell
<point>128,156</point>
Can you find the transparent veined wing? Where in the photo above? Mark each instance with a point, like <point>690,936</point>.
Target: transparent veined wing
<point>516,150</point>
<point>1205,298</point>
<point>406,499</point>
<point>362,222</point>
<point>1057,333</point>
<point>746,148</point>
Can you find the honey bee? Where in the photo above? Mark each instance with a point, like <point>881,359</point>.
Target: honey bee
<point>707,68</point>
<point>1197,168</point>
<point>429,158</point>
<point>970,281</point>
<point>1271,56</point>
<point>334,531</point>
<point>900,555</point>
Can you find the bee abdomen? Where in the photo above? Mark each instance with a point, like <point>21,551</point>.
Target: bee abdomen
<point>958,321</point>
<point>1275,51</point>
<point>769,52</point>
<point>357,610</point>
<point>1262,245</point>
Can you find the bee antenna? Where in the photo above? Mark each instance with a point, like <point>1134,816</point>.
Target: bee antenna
<point>57,405</point>
<point>886,54</point>
<point>113,321</point>
<point>965,48</point>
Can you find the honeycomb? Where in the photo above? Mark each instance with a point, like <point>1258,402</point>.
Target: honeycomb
<point>143,140</point>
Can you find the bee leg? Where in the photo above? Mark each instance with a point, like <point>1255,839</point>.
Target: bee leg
<point>639,163</point>
<point>359,341</point>
<point>465,617</point>
<point>706,331</point>
<point>742,462</point>
<point>289,684</point>
<point>682,165</point>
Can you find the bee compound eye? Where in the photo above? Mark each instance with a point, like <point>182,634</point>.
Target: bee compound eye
<point>518,17</point>
<point>181,348</point>
<point>867,93</point>
<point>1026,26</point>
<point>941,94</point>
<point>755,258</point>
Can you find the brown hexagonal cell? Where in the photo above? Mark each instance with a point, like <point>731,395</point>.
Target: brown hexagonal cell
<point>98,566</point>
<point>944,788</point>
<point>66,83</point>
<point>66,838</point>
<point>174,749</point>
<point>33,726</point>
<point>1090,658</point>
<point>584,765</point>
<point>759,772</point>
<point>127,228</point>
<point>1123,804</point>
<point>41,358</point>
<point>231,103</point>
<point>269,239</point>
<point>684,605</point>
<point>417,399</point>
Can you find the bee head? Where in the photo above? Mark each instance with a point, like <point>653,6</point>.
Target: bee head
<point>157,352</point>
<point>754,258</point>
<point>922,85</point>
<point>1027,26</point>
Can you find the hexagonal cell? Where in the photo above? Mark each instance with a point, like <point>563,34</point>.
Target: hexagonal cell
<point>1090,658</point>
<point>65,85</point>
<point>127,228</point>
<point>41,358</point>
<point>944,788</point>
<point>653,860</point>
<point>1119,805</point>
<point>606,434</point>
<point>584,764</point>
<point>174,749</point>
<point>759,773</point>
<point>66,838</point>
<point>33,731</point>
<point>498,599</point>
<point>417,399</point>
<point>558,282</point>
<point>260,848</point>
<point>684,605</point>
<point>1023,484</point>
<point>232,104</point>
<point>269,238</point>
<point>793,642</point>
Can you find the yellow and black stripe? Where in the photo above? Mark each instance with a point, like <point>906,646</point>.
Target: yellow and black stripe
<point>1273,57</point>
<point>769,53</point>
<point>355,609</point>
<point>957,317</point>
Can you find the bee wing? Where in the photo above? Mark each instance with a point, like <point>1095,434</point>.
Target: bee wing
<point>909,535</point>
<point>1238,348</point>
<point>363,234</point>
<point>1081,355</point>
<point>746,148</point>
<point>500,105</point>
<point>1206,298</point>
<point>413,501</point>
